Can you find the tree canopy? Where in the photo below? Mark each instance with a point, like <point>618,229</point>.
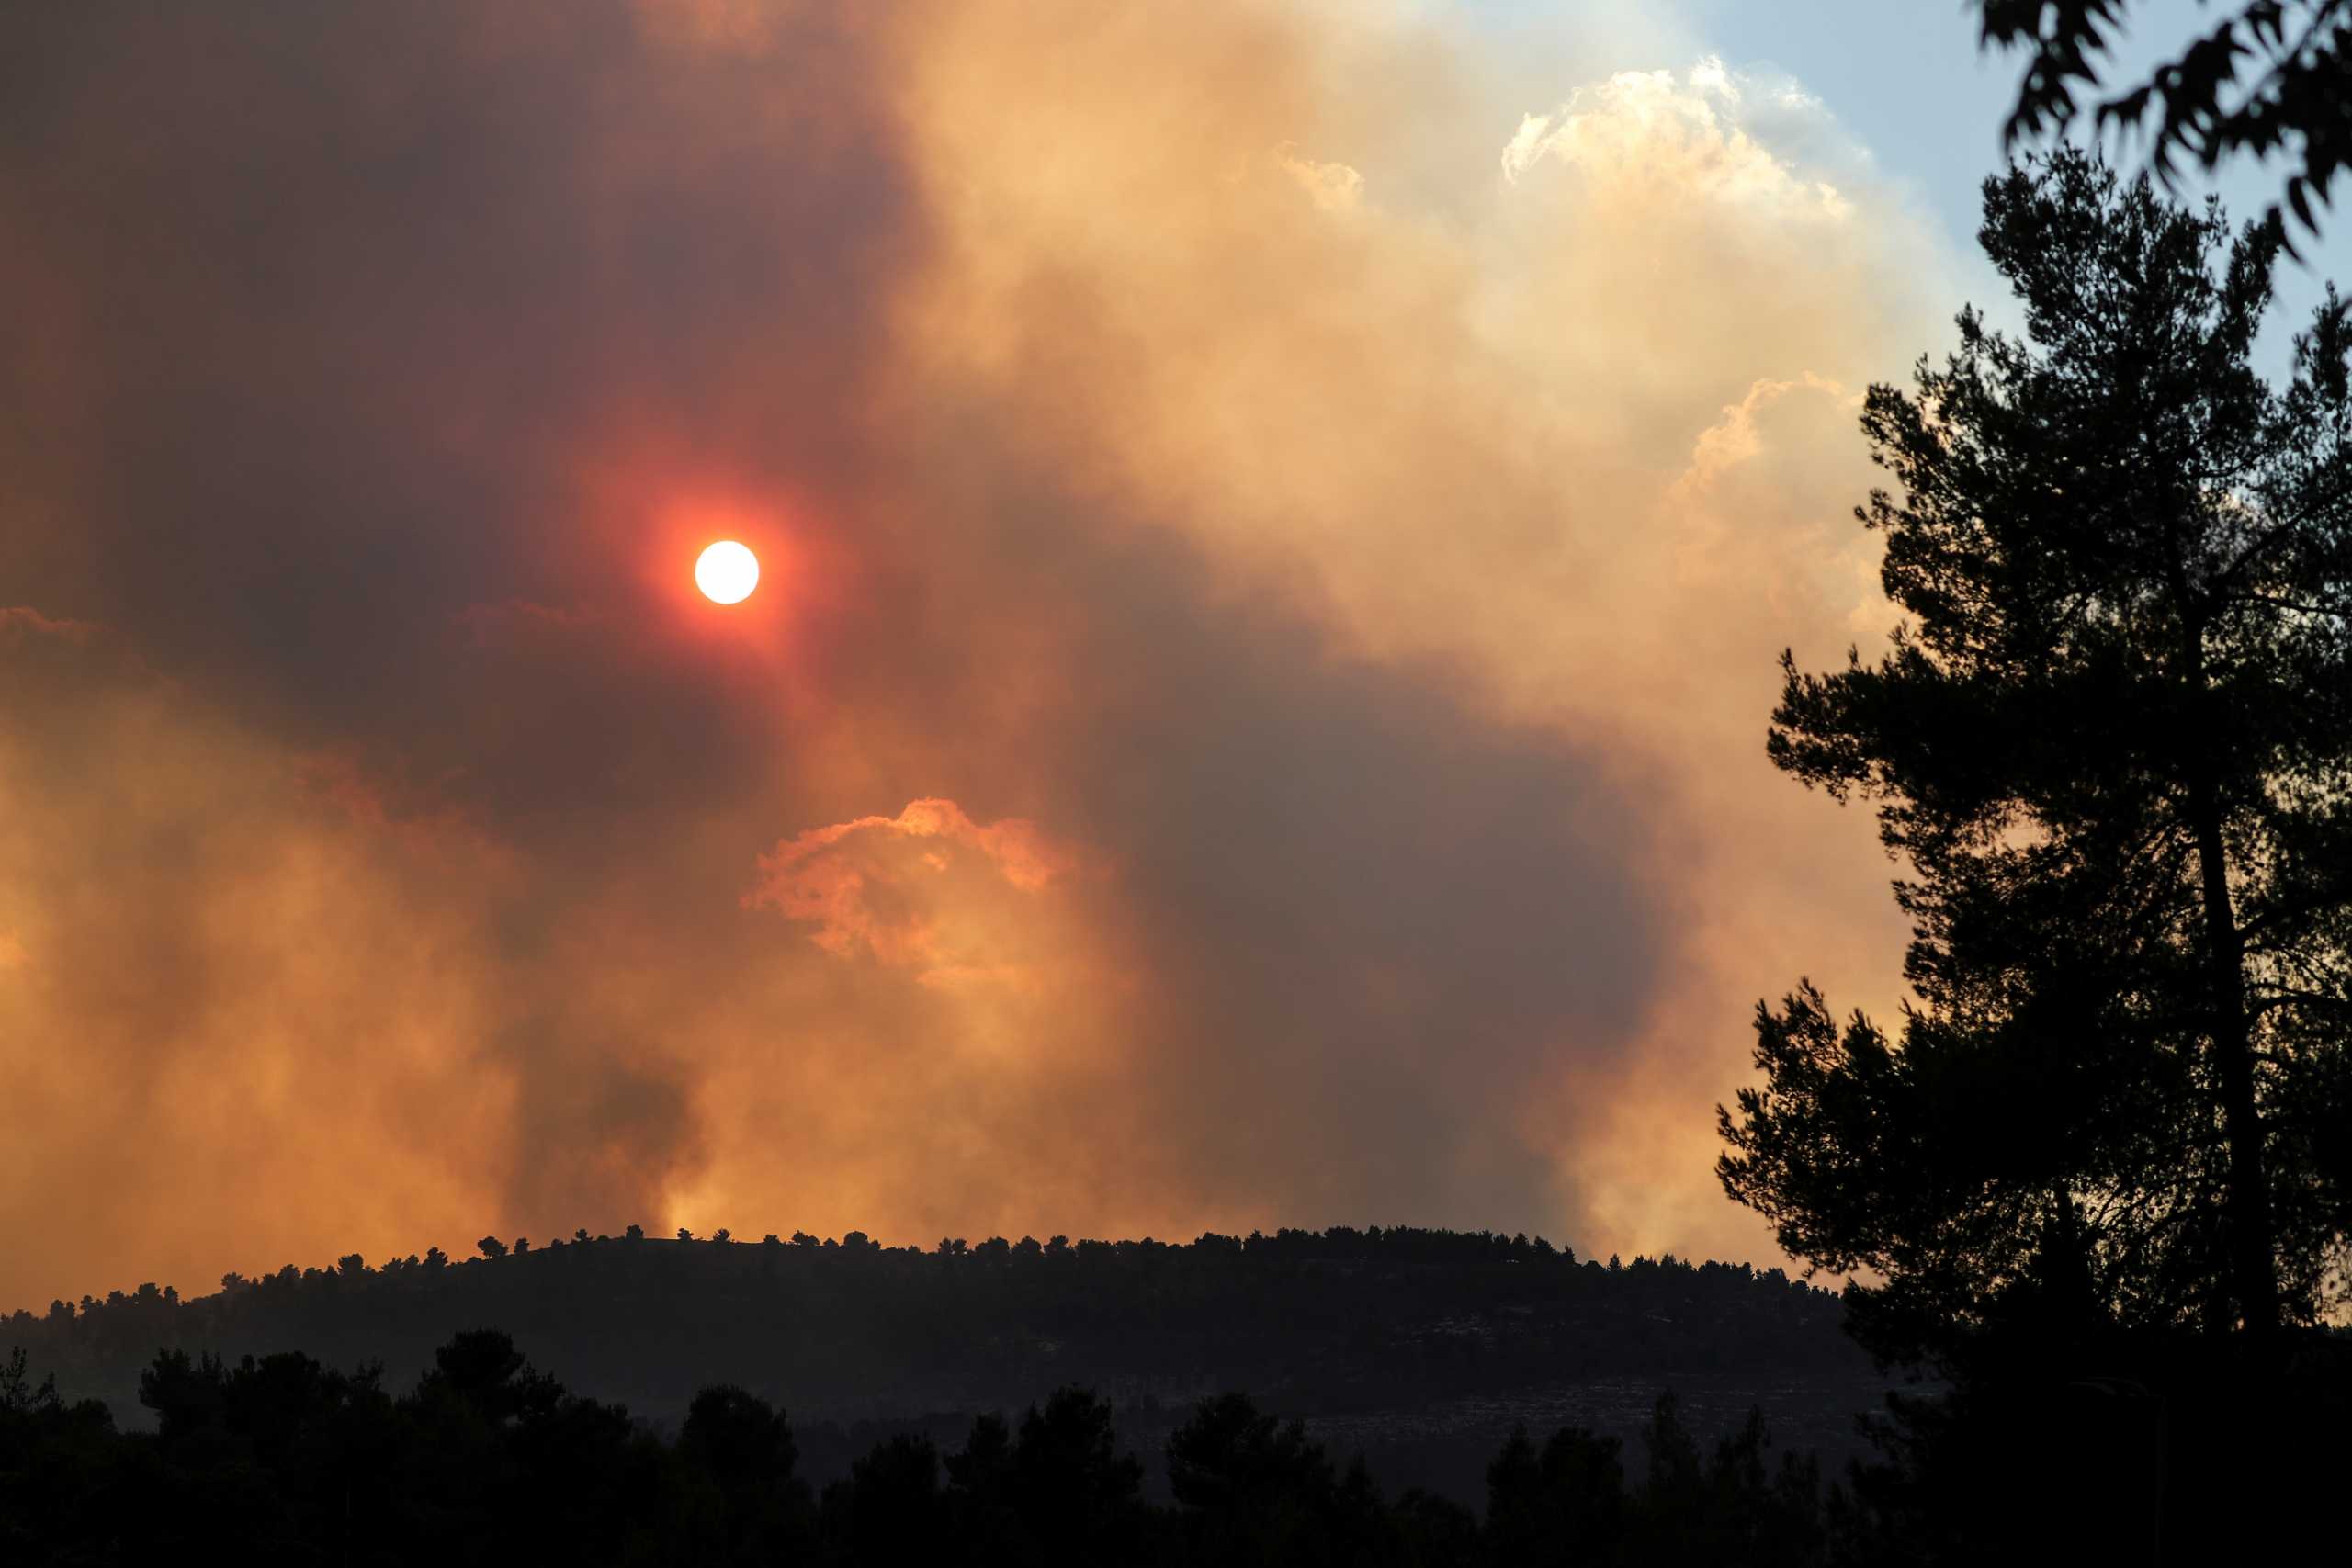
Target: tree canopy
<point>2269,76</point>
<point>2112,740</point>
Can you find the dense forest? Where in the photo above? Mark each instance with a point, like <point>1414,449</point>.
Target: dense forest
<point>1419,1346</point>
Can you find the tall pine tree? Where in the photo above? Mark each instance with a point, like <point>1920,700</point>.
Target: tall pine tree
<point>2113,741</point>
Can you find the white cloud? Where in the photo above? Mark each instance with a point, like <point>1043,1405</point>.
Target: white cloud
<point>1709,131</point>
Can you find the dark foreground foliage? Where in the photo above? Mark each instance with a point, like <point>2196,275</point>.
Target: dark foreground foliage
<point>279,1459</point>
<point>2260,78</point>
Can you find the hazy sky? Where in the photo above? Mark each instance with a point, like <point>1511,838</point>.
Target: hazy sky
<point>1277,521</point>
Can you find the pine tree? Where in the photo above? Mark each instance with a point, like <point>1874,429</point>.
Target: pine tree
<point>2113,741</point>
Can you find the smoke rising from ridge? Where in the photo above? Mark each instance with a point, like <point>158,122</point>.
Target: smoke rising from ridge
<point>1273,555</point>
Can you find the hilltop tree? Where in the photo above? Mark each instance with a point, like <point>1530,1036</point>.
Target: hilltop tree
<point>2113,741</point>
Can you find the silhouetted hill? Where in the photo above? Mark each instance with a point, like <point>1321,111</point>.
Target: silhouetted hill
<point>1408,1341</point>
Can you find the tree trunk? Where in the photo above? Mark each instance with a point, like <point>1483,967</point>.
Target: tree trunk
<point>2253,1260</point>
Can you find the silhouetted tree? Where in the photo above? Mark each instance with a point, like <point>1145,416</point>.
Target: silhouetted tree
<point>2270,76</point>
<point>18,1392</point>
<point>983,1498</point>
<point>891,1510</point>
<point>58,1483</point>
<point>1253,1489</point>
<point>2099,1172</point>
<point>1564,1505</point>
<point>1076,1494</point>
<point>1062,1492</point>
<point>492,1247</point>
<point>2113,743</point>
<point>481,1369</point>
<point>746,1451</point>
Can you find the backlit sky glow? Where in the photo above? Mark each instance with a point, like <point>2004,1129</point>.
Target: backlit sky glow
<point>1275,528</point>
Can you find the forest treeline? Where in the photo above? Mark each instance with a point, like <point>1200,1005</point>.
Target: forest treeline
<point>1335,1320</point>
<point>485,1459</point>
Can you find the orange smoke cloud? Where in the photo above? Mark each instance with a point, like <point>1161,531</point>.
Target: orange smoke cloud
<point>860,901</point>
<point>1306,530</point>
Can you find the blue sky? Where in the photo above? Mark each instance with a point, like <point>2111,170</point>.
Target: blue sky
<point>1907,79</point>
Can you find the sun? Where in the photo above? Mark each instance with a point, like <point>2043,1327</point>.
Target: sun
<point>727,572</point>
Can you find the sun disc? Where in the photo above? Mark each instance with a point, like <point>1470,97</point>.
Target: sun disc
<point>727,572</point>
